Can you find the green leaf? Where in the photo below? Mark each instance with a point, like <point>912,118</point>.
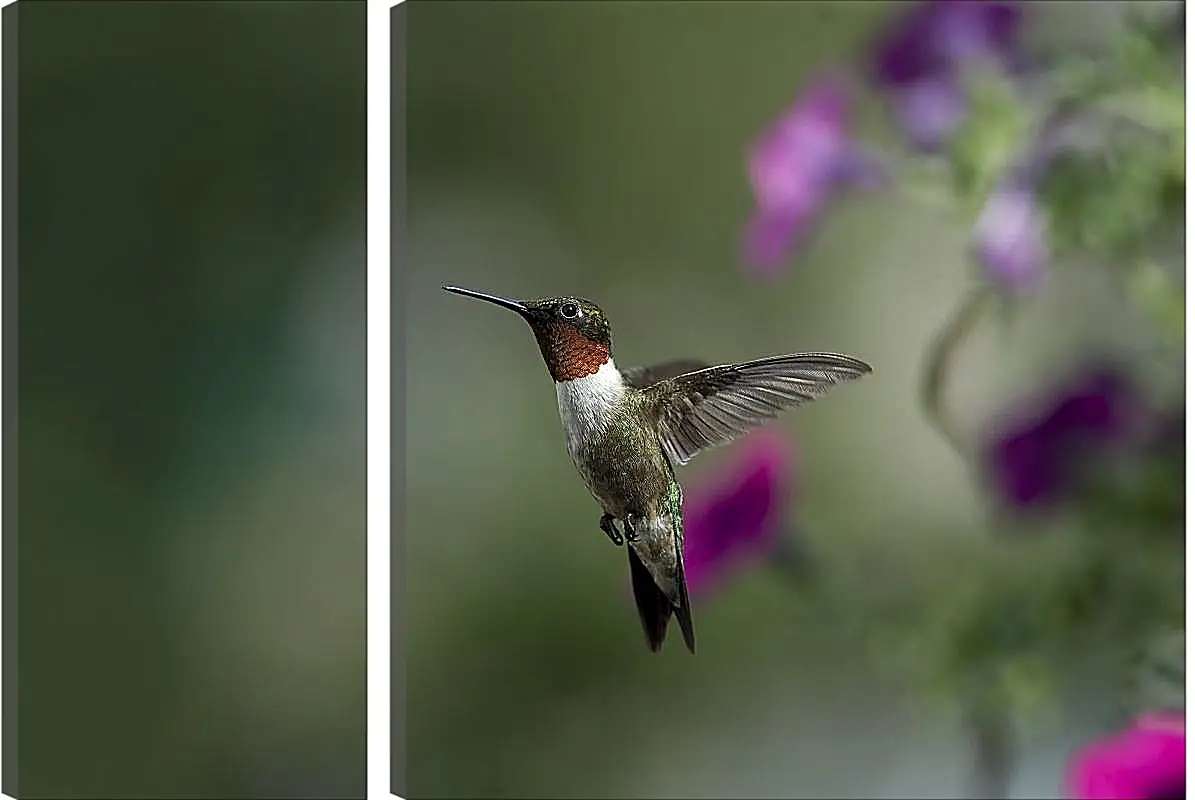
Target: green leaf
<point>1159,297</point>
<point>990,140</point>
<point>1029,683</point>
<point>1112,205</point>
<point>1157,679</point>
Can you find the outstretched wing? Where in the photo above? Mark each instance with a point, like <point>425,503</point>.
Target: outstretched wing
<point>642,377</point>
<point>714,406</point>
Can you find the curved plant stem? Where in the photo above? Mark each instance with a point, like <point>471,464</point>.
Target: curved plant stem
<point>941,356</point>
<point>993,741</point>
<point>987,719</point>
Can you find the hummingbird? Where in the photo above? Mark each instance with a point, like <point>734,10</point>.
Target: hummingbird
<point>627,431</point>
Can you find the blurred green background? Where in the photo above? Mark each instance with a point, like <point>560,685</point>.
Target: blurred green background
<point>599,149</point>
<point>191,399</point>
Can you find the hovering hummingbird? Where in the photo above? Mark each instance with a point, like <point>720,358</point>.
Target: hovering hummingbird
<point>627,430</point>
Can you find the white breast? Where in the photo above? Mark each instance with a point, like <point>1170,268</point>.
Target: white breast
<point>586,403</point>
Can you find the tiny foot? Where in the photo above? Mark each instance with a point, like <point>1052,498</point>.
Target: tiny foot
<point>628,526</point>
<point>607,526</point>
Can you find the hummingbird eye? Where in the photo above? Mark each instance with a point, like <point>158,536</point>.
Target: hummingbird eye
<point>570,311</point>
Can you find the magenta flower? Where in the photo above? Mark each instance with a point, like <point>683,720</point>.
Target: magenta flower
<point>1009,238</point>
<point>1038,458</point>
<point>741,514</point>
<point>798,166</point>
<point>920,61</point>
<point>1145,762</point>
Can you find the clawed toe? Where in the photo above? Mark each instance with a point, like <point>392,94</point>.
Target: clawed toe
<point>607,526</point>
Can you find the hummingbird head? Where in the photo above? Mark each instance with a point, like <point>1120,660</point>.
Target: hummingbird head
<point>573,334</point>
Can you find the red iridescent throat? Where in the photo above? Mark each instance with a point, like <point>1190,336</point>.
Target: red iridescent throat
<point>569,354</point>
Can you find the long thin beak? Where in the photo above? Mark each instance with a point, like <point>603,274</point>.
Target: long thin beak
<point>513,305</point>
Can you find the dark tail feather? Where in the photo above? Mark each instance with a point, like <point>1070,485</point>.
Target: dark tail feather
<point>683,617</point>
<point>655,609</point>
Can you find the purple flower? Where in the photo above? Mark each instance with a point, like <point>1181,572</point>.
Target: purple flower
<point>920,61</point>
<point>1037,458</point>
<point>741,514</point>
<point>938,36</point>
<point>1009,238</point>
<point>929,111</point>
<point>1011,235</point>
<point>1145,762</point>
<point>796,168</point>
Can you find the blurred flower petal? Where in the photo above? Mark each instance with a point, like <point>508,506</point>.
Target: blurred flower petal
<point>1100,407</point>
<point>769,239</point>
<point>929,111</point>
<point>936,38</point>
<point>922,57</point>
<point>740,514</point>
<point>1010,237</point>
<point>797,166</point>
<point>788,163</point>
<point>863,168</point>
<point>1026,469</point>
<point>1145,762</point>
<point>1033,462</point>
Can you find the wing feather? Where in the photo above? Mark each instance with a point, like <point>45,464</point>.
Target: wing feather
<point>713,406</point>
<point>642,377</point>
